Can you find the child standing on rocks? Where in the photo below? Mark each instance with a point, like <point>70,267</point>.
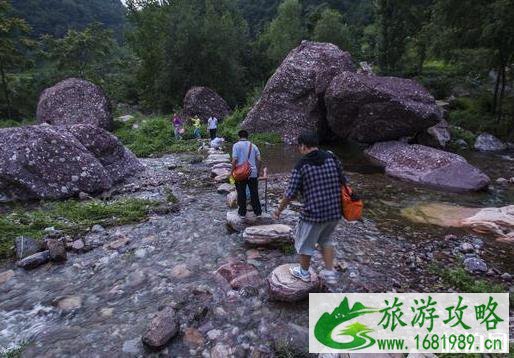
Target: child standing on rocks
<point>318,177</point>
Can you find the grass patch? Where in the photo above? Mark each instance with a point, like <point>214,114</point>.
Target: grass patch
<point>266,138</point>
<point>153,136</point>
<point>7,123</point>
<point>463,281</point>
<point>461,133</point>
<point>71,217</point>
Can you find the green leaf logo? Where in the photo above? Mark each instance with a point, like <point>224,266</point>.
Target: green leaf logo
<point>357,332</point>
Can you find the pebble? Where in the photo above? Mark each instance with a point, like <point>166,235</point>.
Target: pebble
<point>214,334</point>
<point>506,276</point>
<point>118,243</point>
<point>69,303</point>
<point>466,248</point>
<point>180,271</point>
<point>193,337</point>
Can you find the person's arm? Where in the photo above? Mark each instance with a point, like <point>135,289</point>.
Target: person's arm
<point>234,157</point>
<point>292,190</point>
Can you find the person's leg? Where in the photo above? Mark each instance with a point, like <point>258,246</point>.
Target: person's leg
<point>305,240</point>
<point>326,244</point>
<point>241,197</point>
<point>305,262</point>
<point>253,184</point>
<point>212,132</point>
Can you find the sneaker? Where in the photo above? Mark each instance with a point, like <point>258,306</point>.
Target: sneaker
<point>297,272</point>
<point>329,277</point>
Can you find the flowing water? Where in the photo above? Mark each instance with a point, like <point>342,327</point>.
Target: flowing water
<point>99,303</point>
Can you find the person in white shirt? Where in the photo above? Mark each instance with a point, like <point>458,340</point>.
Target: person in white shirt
<point>212,126</point>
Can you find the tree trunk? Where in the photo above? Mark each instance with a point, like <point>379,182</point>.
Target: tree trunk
<point>6,90</point>
<point>496,88</point>
<point>502,93</point>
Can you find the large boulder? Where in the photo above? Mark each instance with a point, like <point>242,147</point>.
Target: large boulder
<point>428,166</point>
<point>204,103</point>
<point>486,142</point>
<point>437,136</point>
<point>75,101</point>
<point>56,162</point>
<point>292,101</point>
<point>282,286</point>
<point>370,109</point>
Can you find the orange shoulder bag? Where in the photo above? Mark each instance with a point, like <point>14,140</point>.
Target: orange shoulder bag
<point>242,172</point>
<point>352,204</point>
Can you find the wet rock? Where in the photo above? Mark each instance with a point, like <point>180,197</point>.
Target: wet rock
<point>475,264</point>
<point>282,286</point>
<point>97,229</point>
<point>221,350</point>
<point>505,276</point>
<point>232,200</point>
<point>437,136</point>
<point>161,329</point>
<point>6,276</point>
<point>77,245</point>
<point>502,181</point>
<point>253,254</point>
<point>226,188</point>
<point>69,303</point>
<point>239,274</point>
<point>370,109</point>
<point>496,221</point>
<point>75,101</point>
<point>180,272</point>
<point>222,177</point>
<point>292,101</point>
<point>118,243</point>
<point>204,103</point>
<point>428,166</point>
<point>462,144</point>
<point>26,246</point>
<point>132,347</point>
<point>35,260</point>
<point>214,159</point>
<point>50,162</point>
<point>236,223</point>
<point>293,338</point>
<point>218,172</point>
<point>466,248</point>
<point>56,250</point>
<point>227,166</point>
<point>486,142</point>
<point>193,337</point>
<point>268,234</point>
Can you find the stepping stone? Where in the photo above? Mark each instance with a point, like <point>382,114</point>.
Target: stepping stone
<point>227,166</point>
<point>239,275</point>
<point>219,172</point>
<point>217,159</point>
<point>282,286</point>
<point>226,188</point>
<point>215,151</point>
<point>232,200</point>
<point>33,261</point>
<point>238,224</point>
<point>268,234</point>
<point>222,178</point>
<point>161,329</point>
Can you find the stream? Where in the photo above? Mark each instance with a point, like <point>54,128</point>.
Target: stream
<point>99,303</point>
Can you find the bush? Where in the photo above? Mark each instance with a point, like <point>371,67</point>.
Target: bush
<point>154,136</point>
<point>230,126</point>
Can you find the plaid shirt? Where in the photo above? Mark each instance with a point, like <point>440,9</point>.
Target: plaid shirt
<point>318,177</point>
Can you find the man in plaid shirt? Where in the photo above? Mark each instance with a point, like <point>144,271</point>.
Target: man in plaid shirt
<point>318,177</point>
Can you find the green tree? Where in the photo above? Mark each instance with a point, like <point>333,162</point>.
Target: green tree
<point>13,39</point>
<point>285,32</point>
<point>392,24</point>
<point>81,53</point>
<point>332,28</point>
<point>201,43</point>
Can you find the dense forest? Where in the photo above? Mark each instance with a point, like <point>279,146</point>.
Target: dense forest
<point>149,52</point>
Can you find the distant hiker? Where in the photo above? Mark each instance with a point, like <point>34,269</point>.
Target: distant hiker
<point>217,143</point>
<point>212,126</point>
<point>197,124</point>
<point>318,177</point>
<point>246,154</point>
<point>178,126</point>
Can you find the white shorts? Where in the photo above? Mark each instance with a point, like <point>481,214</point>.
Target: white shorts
<point>308,234</point>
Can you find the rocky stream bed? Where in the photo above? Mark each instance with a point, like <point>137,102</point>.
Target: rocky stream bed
<point>100,302</point>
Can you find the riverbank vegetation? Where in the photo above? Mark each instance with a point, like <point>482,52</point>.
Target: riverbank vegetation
<point>149,53</point>
<point>71,217</point>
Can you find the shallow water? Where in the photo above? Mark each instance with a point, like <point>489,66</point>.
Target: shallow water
<point>116,293</point>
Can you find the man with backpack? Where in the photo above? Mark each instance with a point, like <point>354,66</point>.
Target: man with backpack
<point>246,163</point>
<point>318,177</point>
